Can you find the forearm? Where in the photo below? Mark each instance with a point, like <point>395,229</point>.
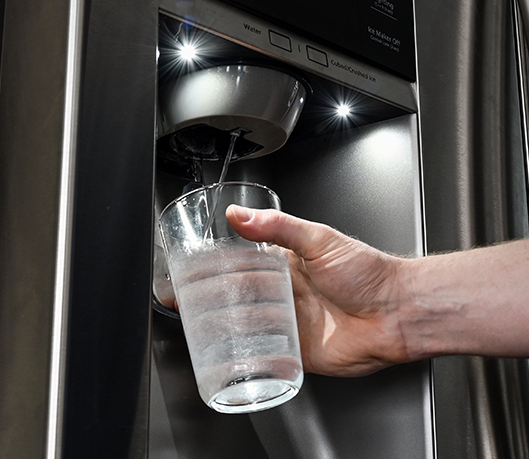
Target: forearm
<point>472,302</point>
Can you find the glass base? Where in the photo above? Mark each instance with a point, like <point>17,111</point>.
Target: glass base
<point>248,395</point>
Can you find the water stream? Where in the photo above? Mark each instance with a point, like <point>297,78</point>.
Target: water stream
<point>234,136</point>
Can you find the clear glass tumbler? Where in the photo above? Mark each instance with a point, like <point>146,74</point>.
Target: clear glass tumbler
<point>235,299</point>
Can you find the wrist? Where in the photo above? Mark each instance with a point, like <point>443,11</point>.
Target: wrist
<point>463,303</point>
<point>424,320</point>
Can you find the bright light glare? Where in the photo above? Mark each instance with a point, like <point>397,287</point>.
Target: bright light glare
<point>188,52</point>
<point>343,110</point>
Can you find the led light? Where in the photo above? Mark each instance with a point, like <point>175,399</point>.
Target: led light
<point>343,110</point>
<point>188,52</point>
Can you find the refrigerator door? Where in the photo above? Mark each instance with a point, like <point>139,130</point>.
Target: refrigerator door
<point>77,106</point>
<point>475,190</point>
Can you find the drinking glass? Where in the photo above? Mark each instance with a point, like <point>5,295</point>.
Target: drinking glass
<point>235,300</point>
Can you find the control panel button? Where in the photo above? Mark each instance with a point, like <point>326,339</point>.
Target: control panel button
<point>280,40</point>
<point>315,55</point>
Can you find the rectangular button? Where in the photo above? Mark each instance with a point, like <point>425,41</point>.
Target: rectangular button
<point>279,40</point>
<point>315,55</point>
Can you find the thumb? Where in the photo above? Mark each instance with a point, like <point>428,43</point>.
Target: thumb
<point>307,239</point>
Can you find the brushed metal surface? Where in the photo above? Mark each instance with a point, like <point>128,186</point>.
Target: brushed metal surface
<point>88,393</point>
<point>469,124</point>
<point>107,385</point>
<point>30,174</point>
<point>475,194</point>
<point>523,5</point>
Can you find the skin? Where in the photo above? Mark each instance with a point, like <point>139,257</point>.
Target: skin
<point>360,310</point>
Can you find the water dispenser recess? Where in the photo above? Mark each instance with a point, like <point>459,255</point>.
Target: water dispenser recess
<point>351,160</point>
<point>210,86</point>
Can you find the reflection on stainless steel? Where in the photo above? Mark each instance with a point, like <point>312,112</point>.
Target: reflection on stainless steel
<point>472,153</point>
<point>521,35</point>
<point>64,234</point>
<point>523,6</point>
<point>295,430</point>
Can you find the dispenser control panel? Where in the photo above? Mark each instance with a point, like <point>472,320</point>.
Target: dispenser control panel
<point>380,32</point>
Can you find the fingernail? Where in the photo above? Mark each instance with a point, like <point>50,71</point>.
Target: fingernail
<point>244,214</point>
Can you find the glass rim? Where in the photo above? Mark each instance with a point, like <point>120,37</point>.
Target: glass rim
<point>217,185</point>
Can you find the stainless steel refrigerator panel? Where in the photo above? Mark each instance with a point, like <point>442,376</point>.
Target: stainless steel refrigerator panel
<point>77,98</point>
<point>521,33</point>
<point>30,176</point>
<point>470,124</point>
<point>383,415</point>
<point>475,194</point>
<point>76,224</point>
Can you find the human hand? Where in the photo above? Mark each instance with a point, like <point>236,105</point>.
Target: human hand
<point>347,294</point>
